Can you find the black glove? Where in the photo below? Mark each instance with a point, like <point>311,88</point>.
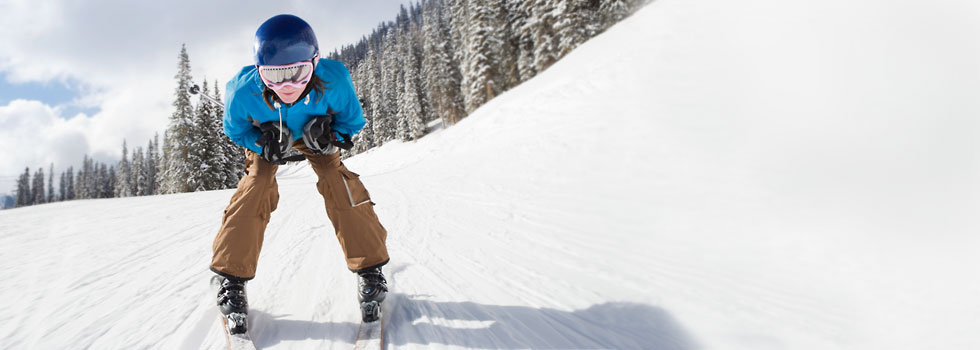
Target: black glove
<point>316,134</point>
<point>341,140</point>
<point>272,149</point>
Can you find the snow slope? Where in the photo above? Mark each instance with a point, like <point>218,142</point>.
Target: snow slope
<point>760,174</point>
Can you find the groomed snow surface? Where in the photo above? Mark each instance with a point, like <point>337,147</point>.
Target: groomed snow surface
<point>707,174</point>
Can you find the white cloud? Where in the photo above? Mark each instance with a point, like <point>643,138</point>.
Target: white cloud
<point>122,56</point>
<point>63,142</point>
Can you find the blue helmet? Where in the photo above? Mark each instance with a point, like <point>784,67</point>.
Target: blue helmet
<point>284,39</point>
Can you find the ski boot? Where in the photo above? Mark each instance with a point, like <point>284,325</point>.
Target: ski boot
<point>233,304</point>
<point>372,289</point>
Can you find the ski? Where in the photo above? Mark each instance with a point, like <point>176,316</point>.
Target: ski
<point>370,335</point>
<point>235,341</point>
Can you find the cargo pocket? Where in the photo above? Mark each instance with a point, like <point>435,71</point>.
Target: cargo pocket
<point>354,190</point>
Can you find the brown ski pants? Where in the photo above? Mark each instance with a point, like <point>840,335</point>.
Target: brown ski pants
<point>349,207</point>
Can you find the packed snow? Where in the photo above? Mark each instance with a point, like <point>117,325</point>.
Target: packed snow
<point>707,174</point>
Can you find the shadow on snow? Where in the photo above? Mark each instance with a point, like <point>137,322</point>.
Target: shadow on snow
<point>414,321</point>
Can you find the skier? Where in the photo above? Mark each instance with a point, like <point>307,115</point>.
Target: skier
<point>293,98</point>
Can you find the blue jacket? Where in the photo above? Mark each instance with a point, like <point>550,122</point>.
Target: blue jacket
<point>243,105</point>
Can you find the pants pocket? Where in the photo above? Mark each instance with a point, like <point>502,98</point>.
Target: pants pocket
<point>354,189</point>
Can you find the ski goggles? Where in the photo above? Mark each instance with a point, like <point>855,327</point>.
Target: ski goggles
<point>294,74</point>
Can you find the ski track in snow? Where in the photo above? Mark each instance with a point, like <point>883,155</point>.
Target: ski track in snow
<point>664,186</point>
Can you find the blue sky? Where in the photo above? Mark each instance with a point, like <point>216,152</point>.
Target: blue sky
<point>69,88</point>
<point>52,93</point>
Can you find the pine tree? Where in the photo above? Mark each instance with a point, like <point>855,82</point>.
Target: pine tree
<point>62,195</point>
<point>104,183</point>
<point>231,157</point>
<point>37,187</point>
<point>374,92</point>
<point>70,184</point>
<point>458,16</point>
<point>543,19</point>
<point>363,83</point>
<point>24,197</point>
<point>411,104</point>
<point>441,71</point>
<point>384,122</point>
<point>613,11</point>
<point>570,26</point>
<point>139,173</point>
<point>457,13</point>
<point>158,163</point>
<point>51,197</point>
<point>180,132</point>
<point>124,186</point>
<point>150,168</point>
<point>162,165</point>
<point>403,64</point>
<point>92,179</point>
<point>520,40</point>
<point>201,154</point>
<point>483,74</point>
<point>80,192</point>
<point>110,183</point>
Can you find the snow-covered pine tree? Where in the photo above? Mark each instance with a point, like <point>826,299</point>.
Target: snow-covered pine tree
<point>154,180</point>
<point>543,19</point>
<point>440,70</point>
<point>180,132</point>
<point>138,173</point>
<point>457,15</point>
<point>363,83</point>
<point>24,197</point>
<point>62,187</point>
<point>100,180</point>
<point>570,27</point>
<point>232,156</point>
<point>162,164</point>
<point>484,40</point>
<point>404,61</point>
<point>613,11</point>
<point>37,187</point>
<point>123,182</point>
<point>201,155</point>
<point>411,103</point>
<point>520,39</point>
<point>416,43</point>
<point>92,180</point>
<point>374,94</point>
<point>70,184</point>
<point>95,184</point>
<point>79,192</point>
<point>104,185</point>
<point>509,76</point>
<point>385,122</point>
<point>110,189</point>
<point>81,180</point>
<point>149,168</point>
<point>51,197</point>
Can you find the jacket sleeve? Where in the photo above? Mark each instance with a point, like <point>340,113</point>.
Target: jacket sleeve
<point>237,125</point>
<point>349,118</point>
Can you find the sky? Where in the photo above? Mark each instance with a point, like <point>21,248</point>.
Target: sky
<point>78,78</point>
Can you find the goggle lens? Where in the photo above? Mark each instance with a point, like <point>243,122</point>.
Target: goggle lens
<point>278,75</point>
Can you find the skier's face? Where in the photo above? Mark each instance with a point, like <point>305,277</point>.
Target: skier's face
<point>289,94</point>
<point>290,80</point>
